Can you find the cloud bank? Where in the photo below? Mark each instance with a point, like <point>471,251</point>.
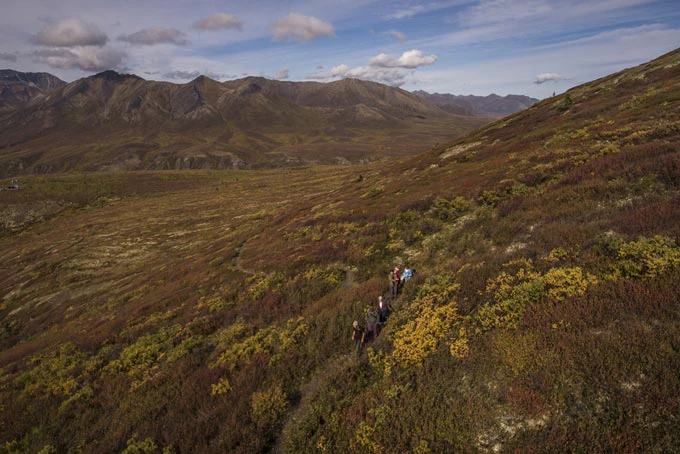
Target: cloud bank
<point>181,75</point>
<point>411,59</point>
<point>84,58</point>
<point>70,33</point>
<point>382,68</point>
<point>300,28</point>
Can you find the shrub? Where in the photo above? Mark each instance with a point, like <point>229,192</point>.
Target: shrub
<point>431,318</point>
<point>221,387</point>
<point>448,210</point>
<point>268,408</point>
<point>646,257</point>
<point>566,103</point>
<point>511,294</point>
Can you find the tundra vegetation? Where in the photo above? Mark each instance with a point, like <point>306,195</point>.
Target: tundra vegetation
<point>211,311</point>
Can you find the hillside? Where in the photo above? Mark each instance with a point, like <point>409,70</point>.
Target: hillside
<point>486,106</point>
<point>214,314</point>
<point>113,121</point>
<point>17,89</point>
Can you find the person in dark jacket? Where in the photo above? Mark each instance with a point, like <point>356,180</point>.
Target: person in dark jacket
<point>357,336</point>
<point>382,310</point>
<point>372,322</point>
<point>394,284</point>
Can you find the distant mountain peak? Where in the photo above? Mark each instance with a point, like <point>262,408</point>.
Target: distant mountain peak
<point>112,75</point>
<point>201,79</point>
<point>20,88</point>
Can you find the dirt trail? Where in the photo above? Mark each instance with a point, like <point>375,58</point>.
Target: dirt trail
<point>309,391</point>
<point>236,261</point>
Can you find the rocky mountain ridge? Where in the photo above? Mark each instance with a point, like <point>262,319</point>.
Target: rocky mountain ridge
<point>492,105</point>
<point>17,89</point>
<point>121,121</point>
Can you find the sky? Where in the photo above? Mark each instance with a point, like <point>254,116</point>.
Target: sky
<point>528,47</point>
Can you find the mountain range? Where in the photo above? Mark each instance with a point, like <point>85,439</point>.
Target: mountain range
<point>119,121</point>
<point>484,106</point>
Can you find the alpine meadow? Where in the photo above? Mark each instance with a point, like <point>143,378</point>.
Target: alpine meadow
<point>181,266</point>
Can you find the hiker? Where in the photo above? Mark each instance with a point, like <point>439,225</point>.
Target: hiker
<point>393,284</point>
<point>397,277</point>
<point>372,322</point>
<point>408,273</point>
<point>357,336</point>
<point>382,308</point>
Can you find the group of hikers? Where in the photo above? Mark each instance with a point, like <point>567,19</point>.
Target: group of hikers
<point>376,315</point>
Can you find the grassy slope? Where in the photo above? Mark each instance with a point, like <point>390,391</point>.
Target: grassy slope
<point>209,312</point>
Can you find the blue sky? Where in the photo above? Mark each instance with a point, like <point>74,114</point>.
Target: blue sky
<point>531,47</point>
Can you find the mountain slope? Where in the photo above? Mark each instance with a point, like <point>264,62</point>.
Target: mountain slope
<point>114,121</point>
<point>487,106</point>
<point>543,315</point>
<point>18,89</point>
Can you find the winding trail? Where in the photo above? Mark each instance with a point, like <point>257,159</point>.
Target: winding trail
<point>236,261</point>
<point>310,390</point>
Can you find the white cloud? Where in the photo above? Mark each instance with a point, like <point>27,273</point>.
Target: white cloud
<point>85,58</point>
<point>8,56</point>
<point>548,77</point>
<point>300,28</point>
<point>399,36</point>
<point>395,77</point>
<point>156,35</point>
<point>494,11</point>
<point>283,74</point>
<point>181,75</point>
<point>406,12</point>
<point>410,59</point>
<point>220,76</point>
<point>70,33</point>
<point>422,8</point>
<point>382,68</point>
<point>219,21</point>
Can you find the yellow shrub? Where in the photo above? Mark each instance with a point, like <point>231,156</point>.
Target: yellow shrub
<point>419,338</point>
<point>221,387</point>
<point>565,282</point>
<point>511,294</point>
<point>460,348</point>
<point>271,340</point>
<point>268,407</point>
<point>646,257</point>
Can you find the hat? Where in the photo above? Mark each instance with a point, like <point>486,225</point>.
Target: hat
<point>355,324</point>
